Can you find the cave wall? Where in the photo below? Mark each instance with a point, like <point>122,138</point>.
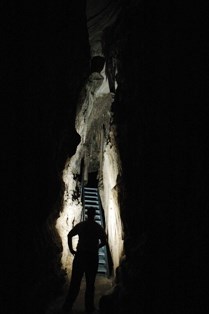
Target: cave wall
<point>109,190</point>
<point>47,66</point>
<point>160,112</point>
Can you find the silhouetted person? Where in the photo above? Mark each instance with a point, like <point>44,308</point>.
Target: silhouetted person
<point>91,237</point>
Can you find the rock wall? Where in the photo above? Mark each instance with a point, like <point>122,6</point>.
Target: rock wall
<point>161,139</point>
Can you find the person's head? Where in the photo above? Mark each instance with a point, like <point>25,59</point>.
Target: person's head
<point>91,212</point>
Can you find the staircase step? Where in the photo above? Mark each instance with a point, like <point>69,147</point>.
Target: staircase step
<point>97,217</point>
<point>102,269</point>
<point>87,196</point>
<point>86,208</point>
<point>91,198</point>
<point>90,192</point>
<point>93,205</point>
<point>90,189</point>
<point>91,202</point>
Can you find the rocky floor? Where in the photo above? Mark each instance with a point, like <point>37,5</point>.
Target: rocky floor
<point>102,286</point>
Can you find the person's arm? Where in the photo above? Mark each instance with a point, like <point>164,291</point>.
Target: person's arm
<point>71,234</point>
<point>103,239</point>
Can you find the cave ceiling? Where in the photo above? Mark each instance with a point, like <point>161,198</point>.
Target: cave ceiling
<point>100,14</point>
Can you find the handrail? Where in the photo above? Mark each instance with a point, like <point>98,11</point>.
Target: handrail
<point>82,191</point>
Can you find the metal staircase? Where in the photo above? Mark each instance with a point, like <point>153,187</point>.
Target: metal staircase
<point>91,199</point>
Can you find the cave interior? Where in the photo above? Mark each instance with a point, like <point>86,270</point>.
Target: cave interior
<point>107,94</point>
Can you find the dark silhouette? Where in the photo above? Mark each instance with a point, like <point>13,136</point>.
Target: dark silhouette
<point>91,237</point>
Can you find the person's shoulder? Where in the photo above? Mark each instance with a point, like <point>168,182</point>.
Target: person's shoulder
<point>79,225</point>
<point>98,226</point>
